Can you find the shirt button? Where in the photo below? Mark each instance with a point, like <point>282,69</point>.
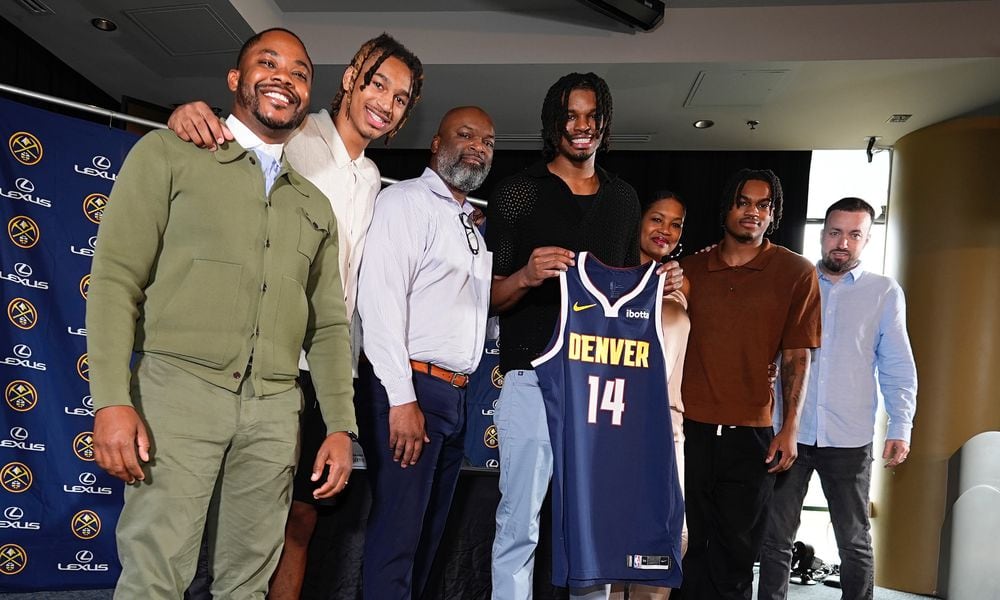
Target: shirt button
<point>263,288</point>
<point>267,243</point>
<point>237,375</point>
<point>253,160</point>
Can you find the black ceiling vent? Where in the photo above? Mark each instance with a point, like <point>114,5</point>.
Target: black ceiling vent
<point>35,7</point>
<point>638,14</point>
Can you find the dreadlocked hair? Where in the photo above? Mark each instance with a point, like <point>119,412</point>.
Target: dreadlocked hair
<point>555,108</point>
<point>382,47</point>
<point>735,186</point>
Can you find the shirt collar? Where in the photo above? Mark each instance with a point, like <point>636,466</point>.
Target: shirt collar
<point>540,170</point>
<point>759,262</point>
<point>432,180</point>
<point>249,140</point>
<point>327,129</point>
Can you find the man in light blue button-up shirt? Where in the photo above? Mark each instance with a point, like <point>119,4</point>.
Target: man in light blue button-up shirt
<point>864,339</point>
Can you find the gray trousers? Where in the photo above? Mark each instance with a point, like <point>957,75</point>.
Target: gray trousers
<point>204,439</point>
<point>845,474</point>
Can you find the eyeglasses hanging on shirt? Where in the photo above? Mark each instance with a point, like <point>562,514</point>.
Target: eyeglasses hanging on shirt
<point>470,233</point>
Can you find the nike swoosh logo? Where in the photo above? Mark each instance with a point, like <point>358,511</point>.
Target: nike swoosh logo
<point>578,308</point>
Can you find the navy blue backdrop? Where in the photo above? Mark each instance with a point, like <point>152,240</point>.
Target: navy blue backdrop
<point>58,510</point>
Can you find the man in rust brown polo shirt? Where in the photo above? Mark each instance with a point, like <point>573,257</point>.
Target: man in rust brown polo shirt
<point>752,302</point>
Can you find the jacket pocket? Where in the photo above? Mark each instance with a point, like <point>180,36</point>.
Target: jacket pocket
<point>311,234</point>
<point>198,320</point>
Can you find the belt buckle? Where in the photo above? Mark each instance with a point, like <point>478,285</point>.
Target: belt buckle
<point>455,376</point>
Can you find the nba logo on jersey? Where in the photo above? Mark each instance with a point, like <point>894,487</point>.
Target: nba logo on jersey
<point>616,501</point>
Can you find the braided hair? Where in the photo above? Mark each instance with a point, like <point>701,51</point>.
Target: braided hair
<point>555,107</point>
<point>382,47</point>
<point>735,186</point>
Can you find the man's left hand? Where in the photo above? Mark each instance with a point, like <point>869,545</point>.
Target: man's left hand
<point>895,453</point>
<point>336,454</point>
<point>674,278</point>
<point>785,446</point>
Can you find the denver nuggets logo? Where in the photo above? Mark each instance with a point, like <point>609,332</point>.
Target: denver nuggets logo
<point>83,367</point>
<point>16,477</point>
<point>23,232</point>
<point>496,377</point>
<point>83,445</point>
<point>85,285</point>
<point>22,313</point>
<point>86,524</point>
<point>25,148</point>
<point>490,437</point>
<point>21,395</point>
<point>93,207</point>
<point>13,559</point>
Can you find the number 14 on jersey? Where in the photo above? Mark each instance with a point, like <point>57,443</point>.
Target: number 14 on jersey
<point>612,399</point>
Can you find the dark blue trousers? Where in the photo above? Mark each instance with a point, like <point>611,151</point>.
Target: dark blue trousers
<point>409,506</point>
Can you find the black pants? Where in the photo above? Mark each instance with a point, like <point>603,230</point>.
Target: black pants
<point>727,490</point>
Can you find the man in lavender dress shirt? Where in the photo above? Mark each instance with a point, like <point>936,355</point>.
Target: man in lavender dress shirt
<point>423,298</point>
<point>864,340</point>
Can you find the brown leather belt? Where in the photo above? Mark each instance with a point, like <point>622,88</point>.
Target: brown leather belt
<point>459,380</point>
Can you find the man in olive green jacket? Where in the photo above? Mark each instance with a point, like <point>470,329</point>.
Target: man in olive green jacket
<point>216,268</point>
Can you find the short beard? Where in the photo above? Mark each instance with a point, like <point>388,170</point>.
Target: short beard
<point>835,267</point>
<point>573,155</point>
<point>459,175</point>
<point>247,97</point>
<point>741,237</point>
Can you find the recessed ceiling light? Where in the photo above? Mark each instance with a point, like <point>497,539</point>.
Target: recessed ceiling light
<point>103,24</point>
<point>703,123</point>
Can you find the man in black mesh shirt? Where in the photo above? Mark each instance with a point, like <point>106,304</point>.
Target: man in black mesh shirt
<point>538,219</point>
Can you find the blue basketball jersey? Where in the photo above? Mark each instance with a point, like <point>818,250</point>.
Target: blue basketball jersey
<point>616,500</point>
